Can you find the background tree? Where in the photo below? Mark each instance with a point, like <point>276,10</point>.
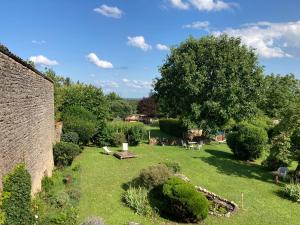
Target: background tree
<point>119,108</point>
<point>280,93</point>
<point>208,81</point>
<point>148,106</point>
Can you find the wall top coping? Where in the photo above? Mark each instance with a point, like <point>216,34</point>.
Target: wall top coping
<point>6,51</point>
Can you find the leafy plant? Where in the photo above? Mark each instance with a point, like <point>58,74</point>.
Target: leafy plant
<point>136,134</point>
<point>64,153</point>
<point>185,203</point>
<point>137,199</point>
<point>173,166</point>
<point>154,176</point>
<point>247,141</point>
<point>17,197</point>
<point>71,136</point>
<point>173,127</point>
<point>292,191</point>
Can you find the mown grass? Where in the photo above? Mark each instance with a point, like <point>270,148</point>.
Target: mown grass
<point>102,178</point>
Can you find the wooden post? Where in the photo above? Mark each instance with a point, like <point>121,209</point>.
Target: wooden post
<point>242,201</point>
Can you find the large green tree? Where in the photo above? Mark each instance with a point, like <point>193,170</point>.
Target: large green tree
<point>119,108</point>
<point>209,81</point>
<point>280,93</point>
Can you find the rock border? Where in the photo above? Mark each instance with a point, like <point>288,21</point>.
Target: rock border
<point>230,205</point>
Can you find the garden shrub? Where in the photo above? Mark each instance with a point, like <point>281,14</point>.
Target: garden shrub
<point>60,200</point>
<point>172,127</point>
<point>67,216</point>
<point>137,199</point>
<point>64,153</point>
<point>17,197</point>
<point>136,134</point>
<point>185,203</point>
<point>74,194</point>
<point>71,136</point>
<point>117,139</point>
<point>247,141</point>
<point>280,155</point>
<point>173,166</point>
<point>292,191</point>
<point>154,176</point>
<point>78,119</point>
<point>2,214</point>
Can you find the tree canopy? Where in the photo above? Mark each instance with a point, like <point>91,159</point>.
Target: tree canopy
<point>208,81</point>
<point>148,106</point>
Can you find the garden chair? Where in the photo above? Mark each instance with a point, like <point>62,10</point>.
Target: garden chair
<point>183,144</point>
<point>282,172</point>
<point>107,151</point>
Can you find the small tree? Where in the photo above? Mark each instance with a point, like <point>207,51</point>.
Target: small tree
<point>148,106</point>
<point>280,152</point>
<point>247,141</point>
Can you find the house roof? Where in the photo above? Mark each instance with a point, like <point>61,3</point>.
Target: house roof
<point>5,51</point>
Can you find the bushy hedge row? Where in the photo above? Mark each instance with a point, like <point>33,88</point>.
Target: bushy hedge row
<point>172,127</point>
<point>184,202</point>
<point>17,197</point>
<point>115,133</point>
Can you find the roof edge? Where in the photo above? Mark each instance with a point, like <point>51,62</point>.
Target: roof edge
<point>5,51</point>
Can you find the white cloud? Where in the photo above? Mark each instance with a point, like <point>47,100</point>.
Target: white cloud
<point>199,25</point>
<point>179,4</point>
<point>202,5</point>
<point>107,84</point>
<point>93,58</point>
<point>162,47</point>
<point>41,42</point>
<point>139,42</point>
<point>42,60</point>
<point>109,11</point>
<point>271,40</point>
<point>137,84</point>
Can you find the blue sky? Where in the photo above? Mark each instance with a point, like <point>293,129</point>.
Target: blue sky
<point>119,45</point>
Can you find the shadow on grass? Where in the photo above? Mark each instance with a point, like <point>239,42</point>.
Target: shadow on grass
<point>227,164</point>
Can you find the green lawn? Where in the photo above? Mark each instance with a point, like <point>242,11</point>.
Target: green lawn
<point>213,167</point>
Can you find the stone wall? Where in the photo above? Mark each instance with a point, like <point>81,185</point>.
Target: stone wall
<point>26,118</point>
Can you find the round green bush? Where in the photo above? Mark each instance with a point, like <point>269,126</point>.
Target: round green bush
<point>71,136</point>
<point>136,134</point>
<point>173,166</point>
<point>247,142</point>
<point>154,176</point>
<point>185,203</point>
<point>64,153</point>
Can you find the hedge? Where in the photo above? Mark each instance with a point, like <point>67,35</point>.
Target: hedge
<point>172,127</point>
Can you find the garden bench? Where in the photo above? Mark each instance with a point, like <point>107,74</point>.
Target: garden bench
<point>280,173</point>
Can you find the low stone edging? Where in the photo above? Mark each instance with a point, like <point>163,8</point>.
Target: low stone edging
<point>231,206</point>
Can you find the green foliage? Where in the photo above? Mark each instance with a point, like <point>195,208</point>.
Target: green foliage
<point>67,216</point>
<point>119,108</point>
<point>185,203</point>
<point>113,133</point>
<point>173,166</point>
<point>247,141</point>
<point>137,199</point>
<point>173,127</point>
<point>280,154</point>
<point>2,214</point>
<point>154,176</point>
<point>17,197</point>
<point>64,153</point>
<point>136,134</point>
<point>208,81</point>
<point>78,119</point>
<point>117,139</point>
<point>60,200</point>
<point>295,140</point>
<point>74,194</point>
<point>280,93</point>
<point>93,221</point>
<point>292,191</point>
<point>71,136</point>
